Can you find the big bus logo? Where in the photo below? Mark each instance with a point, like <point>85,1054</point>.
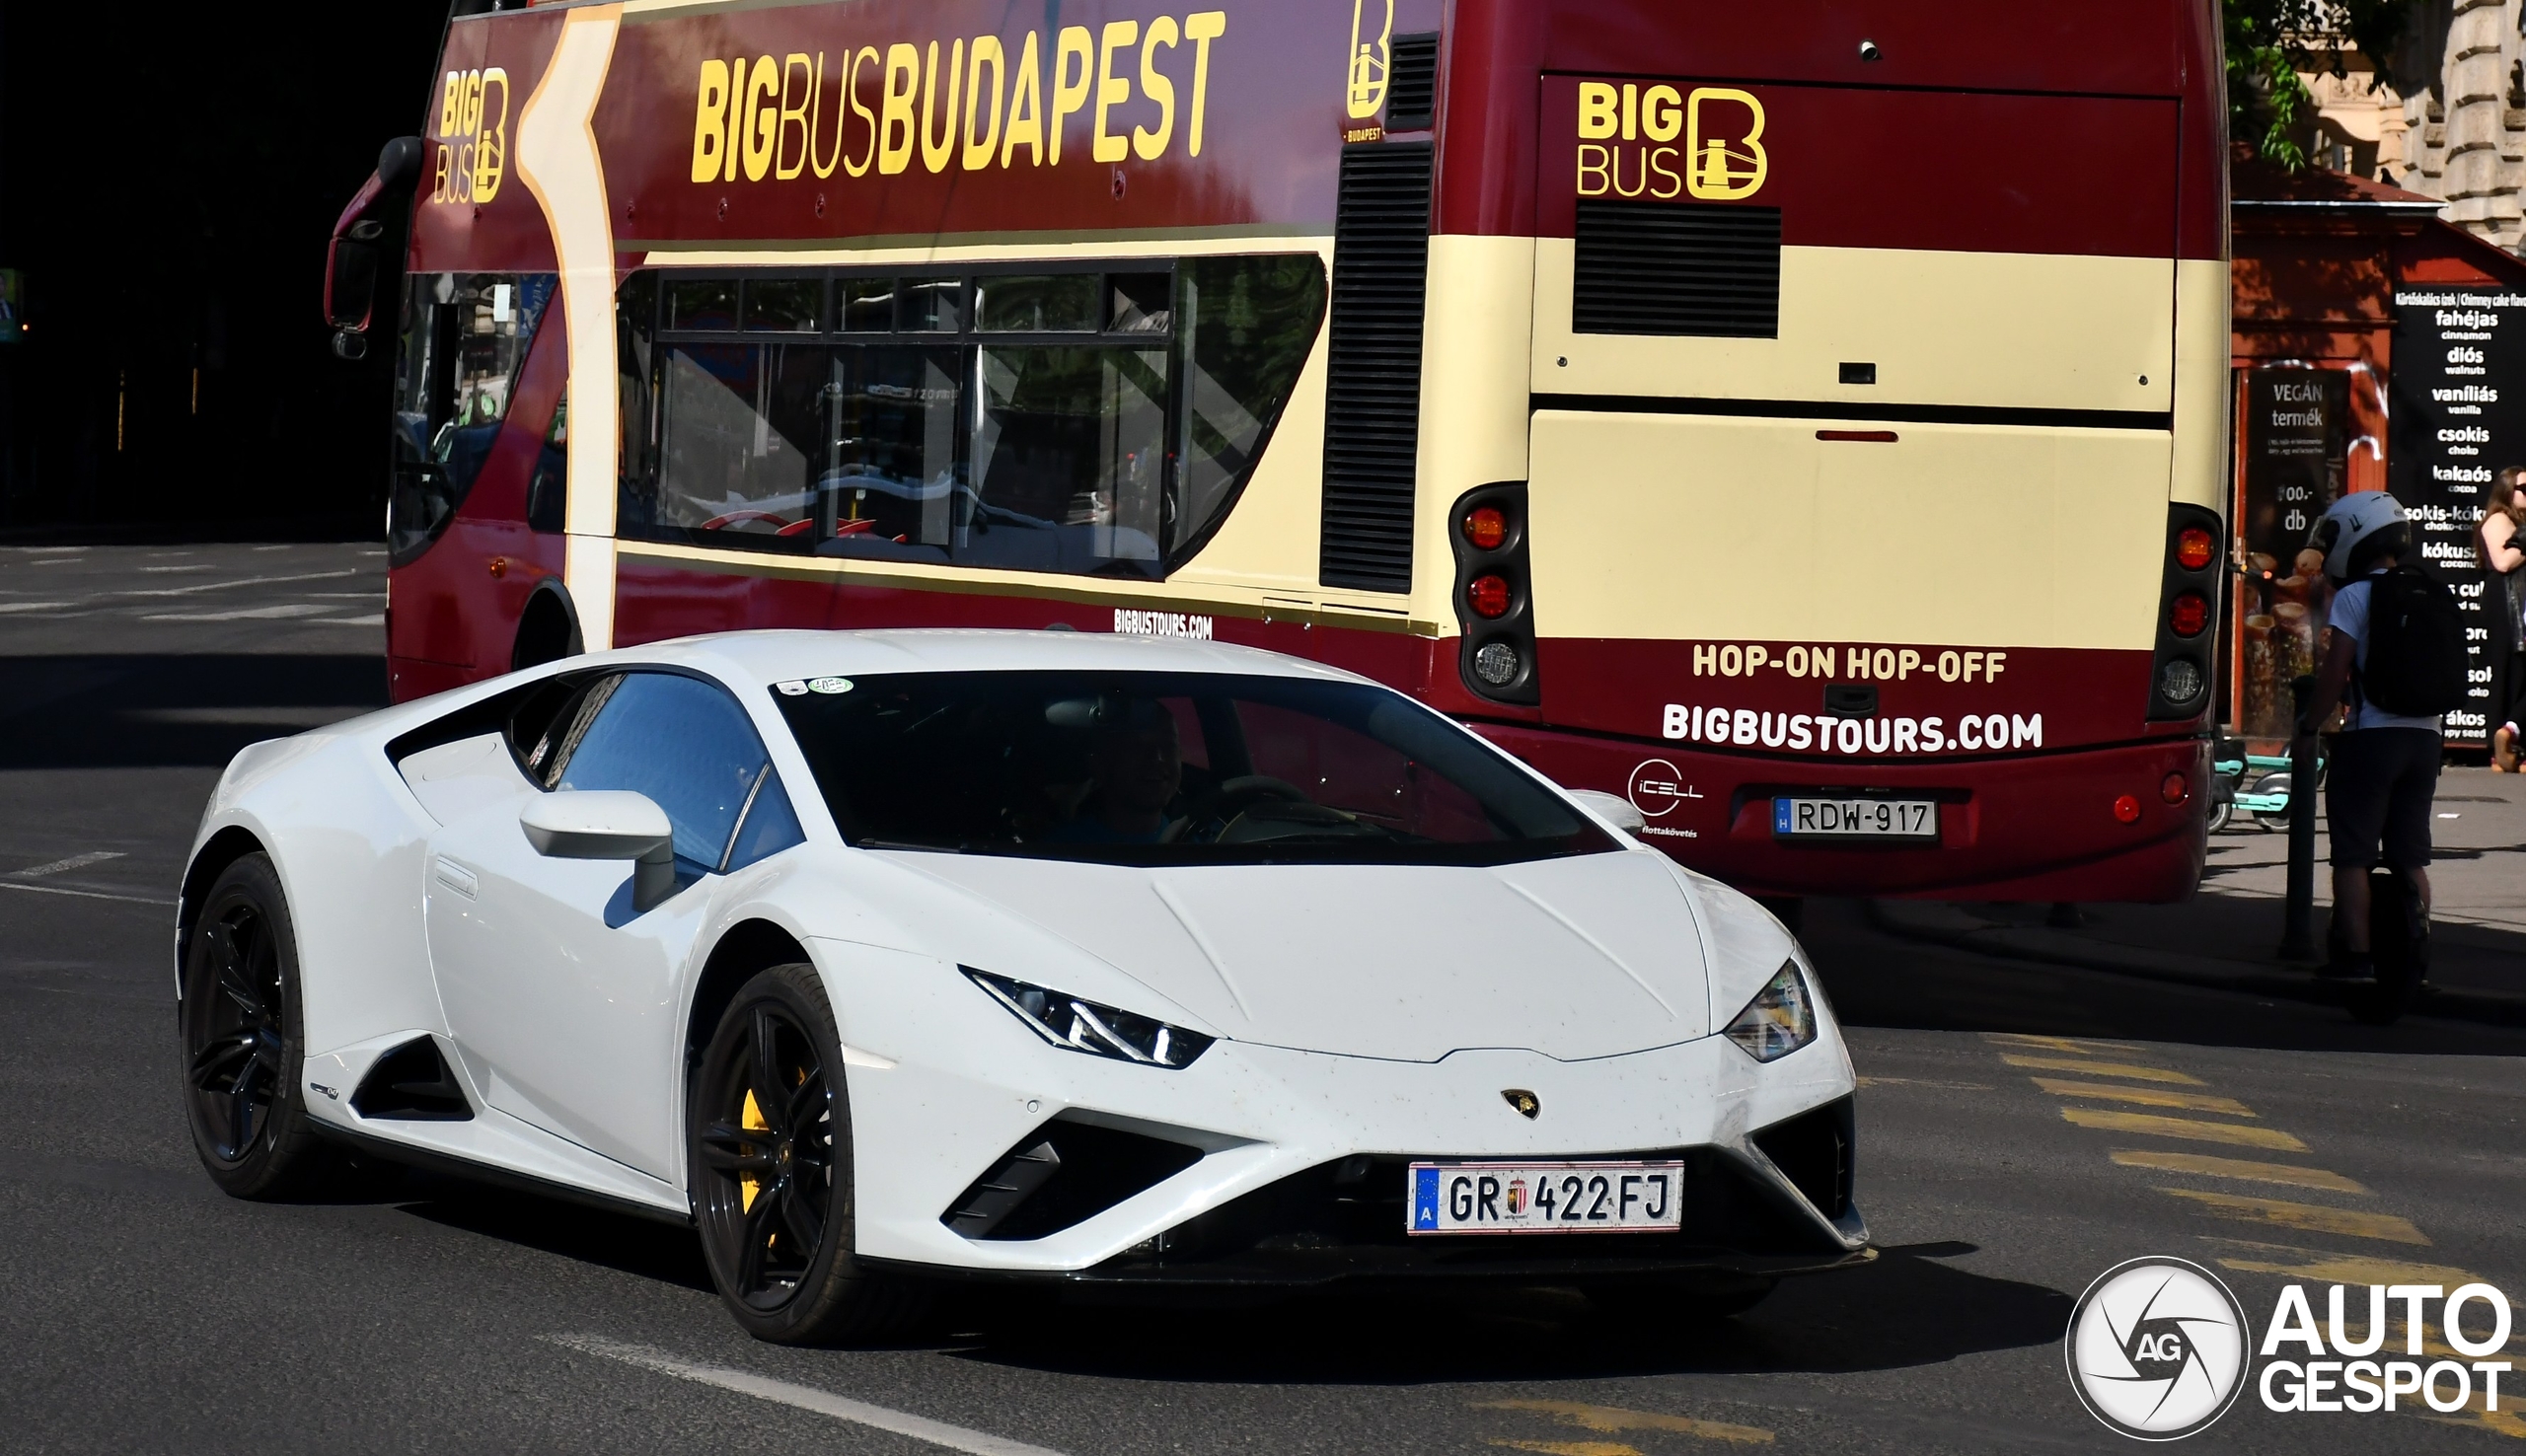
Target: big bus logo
<point>1719,129</point>
<point>472,136</point>
<point>1370,61</point>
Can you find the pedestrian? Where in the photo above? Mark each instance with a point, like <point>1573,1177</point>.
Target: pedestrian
<point>2503,558</point>
<point>2395,658</point>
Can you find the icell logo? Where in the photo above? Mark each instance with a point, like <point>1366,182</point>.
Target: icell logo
<point>1657,788</point>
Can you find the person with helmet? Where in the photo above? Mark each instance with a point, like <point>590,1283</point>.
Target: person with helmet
<point>2385,763</point>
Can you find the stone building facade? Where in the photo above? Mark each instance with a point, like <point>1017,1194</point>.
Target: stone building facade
<point>2450,120</point>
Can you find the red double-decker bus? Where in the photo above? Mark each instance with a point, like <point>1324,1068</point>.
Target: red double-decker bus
<point>1805,426</point>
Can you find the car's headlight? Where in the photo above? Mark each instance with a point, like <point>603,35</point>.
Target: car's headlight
<point>1074,1025</point>
<point>1780,1019</point>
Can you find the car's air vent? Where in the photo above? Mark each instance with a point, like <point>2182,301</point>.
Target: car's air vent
<point>1668,268</point>
<point>1412,87</point>
<point>1062,1174</point>
<point>1813,1151</point>
<point>1372,404</point>
<point>412,1083</point>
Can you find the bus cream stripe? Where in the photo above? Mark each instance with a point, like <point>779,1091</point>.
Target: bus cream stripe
<point>2006,329</point>
<point>899,250</point>
<point>587,567</point>
<point>558,160</point>
<point>2203,393</point>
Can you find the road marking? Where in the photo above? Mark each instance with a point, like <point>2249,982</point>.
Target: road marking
<point>2152,1125</point>
<point>1925,1082</point>
<point>75,862</point>
<point>2312,1217</point>
<point>2239,1168</point>
<point>31,606</point>
<point>1610,1419</point>
<point>374,619</point>
<point>2145,1096</point>
<point>274,612</point>
<point>805,1398</point>
<point>214,586</point>
<point>2315,1266</point>
<point>2056,1043</point>
<point>82,894</point>
<point>50,550</point>
<point>203,566</point>
<point>1573,1449</point>
<point>2105,1069</point>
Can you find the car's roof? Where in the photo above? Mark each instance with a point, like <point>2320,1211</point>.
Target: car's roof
<point>781,656</point>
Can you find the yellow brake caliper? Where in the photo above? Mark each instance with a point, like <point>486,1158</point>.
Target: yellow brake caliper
<point>751,1121</point>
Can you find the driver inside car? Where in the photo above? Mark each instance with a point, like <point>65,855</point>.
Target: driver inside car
<point>1136,768</point>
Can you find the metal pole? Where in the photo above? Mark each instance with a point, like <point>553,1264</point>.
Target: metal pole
<point>2298,927</point>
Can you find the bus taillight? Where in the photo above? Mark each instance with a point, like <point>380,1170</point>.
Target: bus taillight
<point>1495,594</point>
<point>1488,596</point>
<point>1486,528</point>
<point>2190,615</point>
<point>2193,548</point>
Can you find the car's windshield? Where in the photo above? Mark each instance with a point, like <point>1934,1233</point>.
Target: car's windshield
<point>1155,769</point>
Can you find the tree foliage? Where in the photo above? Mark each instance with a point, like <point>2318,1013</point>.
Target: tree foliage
<point>2271,42</point>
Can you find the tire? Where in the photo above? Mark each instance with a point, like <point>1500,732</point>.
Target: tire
<point>243,1036</point>
<point>770,1176</point>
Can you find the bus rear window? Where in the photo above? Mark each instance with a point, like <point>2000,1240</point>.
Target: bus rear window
<point>1081,421</point>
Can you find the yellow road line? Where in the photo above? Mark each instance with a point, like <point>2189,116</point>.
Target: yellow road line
<point>2312,1218</point>
<point>1924,1082</point>
<point>2210,1167</point>
<point>1573,1449</point>
<point>2145,1096</point>
<point>2104,1069</point>
<point>2150,1125</point>
<point>2316,1266</point>
<point>1611,1419</point>
<point>2056,1043</point>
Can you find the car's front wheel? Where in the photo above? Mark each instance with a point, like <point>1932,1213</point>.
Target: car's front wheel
<point>243,1040</point>
<point>771,1170</point>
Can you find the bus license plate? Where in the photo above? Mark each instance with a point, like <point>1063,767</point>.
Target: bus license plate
<point>1546,1197</point>
<point>1855,819</point>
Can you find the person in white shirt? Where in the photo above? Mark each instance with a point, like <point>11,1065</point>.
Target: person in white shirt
<point>2385,765</point>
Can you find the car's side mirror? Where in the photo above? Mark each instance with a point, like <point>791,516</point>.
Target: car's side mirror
<point>1614,807</point>
<point>607,824</point>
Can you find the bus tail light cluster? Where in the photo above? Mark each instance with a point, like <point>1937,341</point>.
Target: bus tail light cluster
<point>2180,670</point>
<point>1495,609</point>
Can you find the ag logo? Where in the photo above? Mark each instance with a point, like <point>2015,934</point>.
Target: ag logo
<point>1657,788</point>
<point>2157,1349</point>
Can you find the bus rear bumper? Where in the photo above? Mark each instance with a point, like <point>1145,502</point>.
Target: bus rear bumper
<point>2042,827</point>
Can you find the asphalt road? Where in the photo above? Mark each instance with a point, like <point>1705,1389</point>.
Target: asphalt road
<point>2022,1129</point>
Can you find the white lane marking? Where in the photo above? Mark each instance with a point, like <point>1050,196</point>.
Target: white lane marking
<point>214,586</point>
<point>245,614</point>
<point>203,566</point>
<point>31,606</point>
<point>373,619</point>
<point>50,550</point>
<point>805,1398</point>
<point>82,894</point>
<point>75,862</point>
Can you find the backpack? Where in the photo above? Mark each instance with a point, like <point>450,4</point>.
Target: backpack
<point>2416,657</point>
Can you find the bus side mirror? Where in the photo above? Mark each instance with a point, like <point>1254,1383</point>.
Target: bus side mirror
<point>350,279</point>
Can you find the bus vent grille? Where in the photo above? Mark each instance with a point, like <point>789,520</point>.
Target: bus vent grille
<point>1412,88</point>
<point>1373,408</point>
<point>1658,268</point>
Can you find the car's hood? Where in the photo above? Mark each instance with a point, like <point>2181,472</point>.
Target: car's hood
<point>1590,956</point>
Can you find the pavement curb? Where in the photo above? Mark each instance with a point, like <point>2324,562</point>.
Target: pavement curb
<point>1941,923</point>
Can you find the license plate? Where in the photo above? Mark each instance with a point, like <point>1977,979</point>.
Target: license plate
<point>1855,819</point>
<point>1546,1197</point>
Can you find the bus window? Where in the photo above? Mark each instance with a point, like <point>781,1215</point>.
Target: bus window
<point>1080,421</point>
<point>465,334</point>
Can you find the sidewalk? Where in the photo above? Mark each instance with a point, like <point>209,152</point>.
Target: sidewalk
<point>2226,935</point>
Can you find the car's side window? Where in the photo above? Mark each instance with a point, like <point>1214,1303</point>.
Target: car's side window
<point>687,745</point>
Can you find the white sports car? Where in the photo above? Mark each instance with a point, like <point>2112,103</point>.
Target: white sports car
<point>1165,967</point>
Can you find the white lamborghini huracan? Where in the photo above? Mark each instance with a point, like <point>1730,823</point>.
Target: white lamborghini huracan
<point>1165,966</point>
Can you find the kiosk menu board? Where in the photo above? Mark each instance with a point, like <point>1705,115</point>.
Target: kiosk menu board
<point>2295,426</point>
<point>2459,412</point>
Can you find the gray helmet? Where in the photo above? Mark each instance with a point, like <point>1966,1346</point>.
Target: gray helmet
<point>2357,530</point>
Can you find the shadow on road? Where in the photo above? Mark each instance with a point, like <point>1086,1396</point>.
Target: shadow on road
<point>617,1241</point>
<point>181,710</point>
<point>1905,1309</point>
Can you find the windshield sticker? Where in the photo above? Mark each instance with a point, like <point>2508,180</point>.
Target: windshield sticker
<point>794,687</point>
<point>829,685</point>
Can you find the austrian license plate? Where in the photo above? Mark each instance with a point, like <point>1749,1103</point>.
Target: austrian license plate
<point>1544,1197</point>
<point>1855,819</point>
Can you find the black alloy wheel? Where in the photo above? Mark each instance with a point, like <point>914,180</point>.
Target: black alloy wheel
<point>242,1037</point>
<point>771,1169</point>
